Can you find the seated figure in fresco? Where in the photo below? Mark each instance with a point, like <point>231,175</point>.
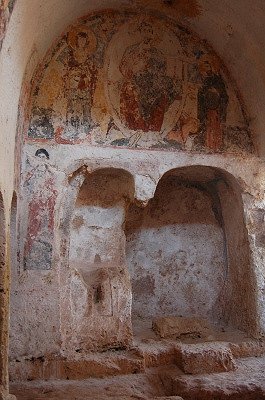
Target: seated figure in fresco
<point>147,90</point>
<point>80,82</point>
<point>212,103</point>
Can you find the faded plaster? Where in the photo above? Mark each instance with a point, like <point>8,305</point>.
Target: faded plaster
<point>135,163</point>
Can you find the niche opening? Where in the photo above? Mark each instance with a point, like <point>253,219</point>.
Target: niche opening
<point>188,253</point>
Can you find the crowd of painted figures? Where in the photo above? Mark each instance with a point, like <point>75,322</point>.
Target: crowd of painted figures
<point>121,79</point>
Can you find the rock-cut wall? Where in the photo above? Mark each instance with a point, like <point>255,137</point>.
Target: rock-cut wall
<point>133,92</point>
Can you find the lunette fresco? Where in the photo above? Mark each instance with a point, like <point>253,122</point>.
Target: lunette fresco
<point>137,81</point>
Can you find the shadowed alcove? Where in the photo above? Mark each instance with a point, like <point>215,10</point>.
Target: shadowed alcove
<point>100,284</point>
<point>188,253</point>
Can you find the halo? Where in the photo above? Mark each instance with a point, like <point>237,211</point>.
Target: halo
<point>74,32</point>
<point>147,19</point>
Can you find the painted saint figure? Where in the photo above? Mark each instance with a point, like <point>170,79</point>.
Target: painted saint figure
<point>41,124</point>
<point>40,185</point>
<point>80,81</point>
<point>212,103</point>
<point>147,90</point>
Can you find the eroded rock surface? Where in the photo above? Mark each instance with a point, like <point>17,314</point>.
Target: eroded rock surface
<point>175,327</point>
<point>205,358</point>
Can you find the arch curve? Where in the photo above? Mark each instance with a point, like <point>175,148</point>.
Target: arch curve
<point>191,239</point>
<point>92,265</point>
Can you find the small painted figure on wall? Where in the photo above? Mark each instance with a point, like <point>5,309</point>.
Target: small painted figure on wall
<point>39,184</point>
<point>41,124</point>
<point>212,103</point>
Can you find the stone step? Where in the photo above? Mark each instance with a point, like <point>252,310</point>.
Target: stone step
<point>205,358</point>
<point>245,383</point>
<point>192,358</point>
<point>91,366</point>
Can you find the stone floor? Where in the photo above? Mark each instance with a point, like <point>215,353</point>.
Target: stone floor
<point>246,382</point>
<point>223,364</point>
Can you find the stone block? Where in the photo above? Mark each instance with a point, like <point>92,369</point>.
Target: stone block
<point>175,327</point>
<point>90,366</point>
<point>205,358</point>
<point>249,348</point>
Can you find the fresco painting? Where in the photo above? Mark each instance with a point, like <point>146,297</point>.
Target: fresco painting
<point>137,81</point>
<point>39,185</point>
<point>6,9</point>
<point>80,80</point>
<point>145,82</point>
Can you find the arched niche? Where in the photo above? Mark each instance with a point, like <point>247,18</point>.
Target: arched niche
<point>100,208</point>
<point>188,253</point>
<point>98,281</point>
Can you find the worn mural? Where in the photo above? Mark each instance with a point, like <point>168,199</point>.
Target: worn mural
<point>138,81</point>
<point>40,193</point>
<point>6,9</point>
